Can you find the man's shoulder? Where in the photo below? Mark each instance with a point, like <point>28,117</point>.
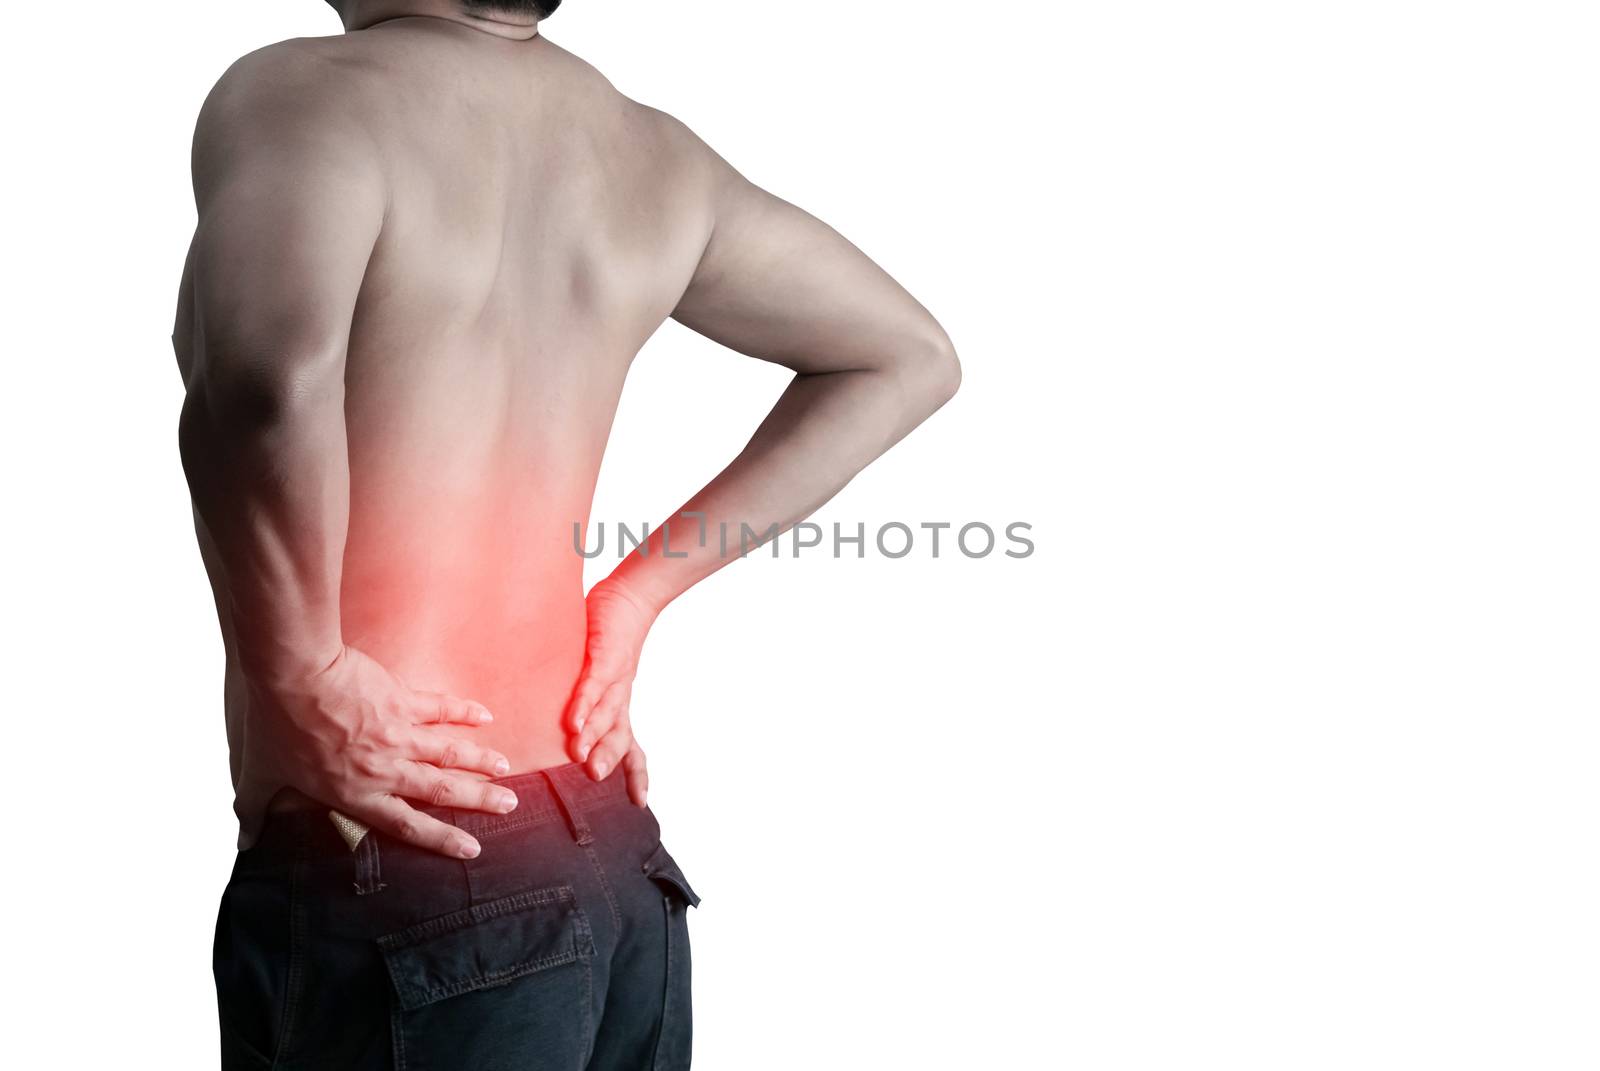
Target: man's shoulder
<point>300,65</point>
<point>307,79</point>
<point>296,98</point>
<point>639,119</point>
<point>300,85</point>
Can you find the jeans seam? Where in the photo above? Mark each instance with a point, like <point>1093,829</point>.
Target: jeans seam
<point>297,950</point>
<point>588,1008</point>
<point>476,914</point>
<point>397,1034</point>
<point>489,979</point>
<point>605,886</point>
<point>497,824</point>
<point>666,983</point>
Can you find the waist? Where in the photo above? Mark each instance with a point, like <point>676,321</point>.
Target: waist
<point>560,793</point>
<point>518,657</point>
<point>525,678</point>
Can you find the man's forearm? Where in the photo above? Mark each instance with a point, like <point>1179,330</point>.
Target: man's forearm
<point>824,429</point>
<point>268,472</point>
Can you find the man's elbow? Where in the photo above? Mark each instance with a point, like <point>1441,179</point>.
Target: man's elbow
<point>948,369</point>
<point>931,372</point>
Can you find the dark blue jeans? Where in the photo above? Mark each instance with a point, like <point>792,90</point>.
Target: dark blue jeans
<point>565,944</point>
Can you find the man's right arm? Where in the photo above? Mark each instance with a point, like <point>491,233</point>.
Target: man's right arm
<point>291,202</point>
<point>288,217</point>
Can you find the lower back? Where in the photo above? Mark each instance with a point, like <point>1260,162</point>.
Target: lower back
<point>485,604</point>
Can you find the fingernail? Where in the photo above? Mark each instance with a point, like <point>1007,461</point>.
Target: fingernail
<point>484,717</point>
<point>468,849</point>
<point>583,752</point>
<point>502,767</point>
<point>508,802</point>
<point>600,770</point>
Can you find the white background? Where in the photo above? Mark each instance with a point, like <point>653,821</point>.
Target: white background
<point>1279,325</point>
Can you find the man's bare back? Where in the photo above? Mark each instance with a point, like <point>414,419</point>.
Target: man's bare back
<point>539,226</point>
<point>474,234</point>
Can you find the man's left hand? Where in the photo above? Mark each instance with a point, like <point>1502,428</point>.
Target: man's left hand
<point>597,716</point>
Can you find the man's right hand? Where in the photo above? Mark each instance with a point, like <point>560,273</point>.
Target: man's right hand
<point>354,737</point>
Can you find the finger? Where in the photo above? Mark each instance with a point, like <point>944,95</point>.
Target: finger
<point>449,753</point>
<point>602,721</point>
<point>585,723</point>
<point>609,751</point>
<point>403,822</point>
<point>633,767</point>
<point>584,697</point>
<point>612,708</point>
<point>446,788</point>
<point>436,708</point>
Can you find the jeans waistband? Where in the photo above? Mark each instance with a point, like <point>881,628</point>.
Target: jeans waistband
<point>558,794</point>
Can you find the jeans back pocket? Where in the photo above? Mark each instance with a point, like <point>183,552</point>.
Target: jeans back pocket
<point>486,945</point>
<point>506,983</point>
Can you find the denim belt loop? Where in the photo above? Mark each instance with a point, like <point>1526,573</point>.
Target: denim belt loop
<point>575,818</point>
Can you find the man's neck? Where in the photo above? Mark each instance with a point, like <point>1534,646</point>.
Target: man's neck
<point>360,14</point>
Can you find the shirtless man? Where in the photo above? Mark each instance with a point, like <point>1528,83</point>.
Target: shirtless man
<point>427,251</point>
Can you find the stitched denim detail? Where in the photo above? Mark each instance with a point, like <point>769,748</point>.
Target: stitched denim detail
<point>489,825</point>
<point>661,867</point>
<point>674,1024</point>
<point>605,884</point>
<point>560,933</point>
<point>297,958</point>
